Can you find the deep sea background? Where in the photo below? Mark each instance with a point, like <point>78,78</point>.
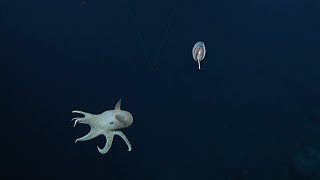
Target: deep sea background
<point>251,113</point>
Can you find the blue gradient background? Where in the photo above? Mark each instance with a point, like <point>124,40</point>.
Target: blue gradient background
<point>251,112</point>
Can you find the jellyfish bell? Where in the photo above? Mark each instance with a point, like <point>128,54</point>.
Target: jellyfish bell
<point>199,52</point>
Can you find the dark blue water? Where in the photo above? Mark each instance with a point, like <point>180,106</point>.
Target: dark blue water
<point>251,112</point>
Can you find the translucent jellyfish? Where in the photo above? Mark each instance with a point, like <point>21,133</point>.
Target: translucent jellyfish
<point>199,52</point>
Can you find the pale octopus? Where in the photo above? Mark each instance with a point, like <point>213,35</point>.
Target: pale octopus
<point>107,123</point>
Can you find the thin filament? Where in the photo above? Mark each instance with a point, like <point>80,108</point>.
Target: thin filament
<point>139,36</point>
<point>165,34</point>
<point>152,65</point>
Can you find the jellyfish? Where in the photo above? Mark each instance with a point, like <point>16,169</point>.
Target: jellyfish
<point>198,52</point>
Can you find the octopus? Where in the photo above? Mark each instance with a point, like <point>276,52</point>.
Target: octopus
<point>107,123</point>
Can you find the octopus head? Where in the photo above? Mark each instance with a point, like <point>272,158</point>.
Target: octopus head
<point>119,119</point>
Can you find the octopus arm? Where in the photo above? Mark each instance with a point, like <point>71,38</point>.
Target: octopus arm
<point>85,120</point>
<point>119,133</point>
<point>83,113</point>
<point>109,140</point>
<point>92,134</point>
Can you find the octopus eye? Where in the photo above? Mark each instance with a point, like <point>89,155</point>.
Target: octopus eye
<point>111,122</point>
<point>120,117</point>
